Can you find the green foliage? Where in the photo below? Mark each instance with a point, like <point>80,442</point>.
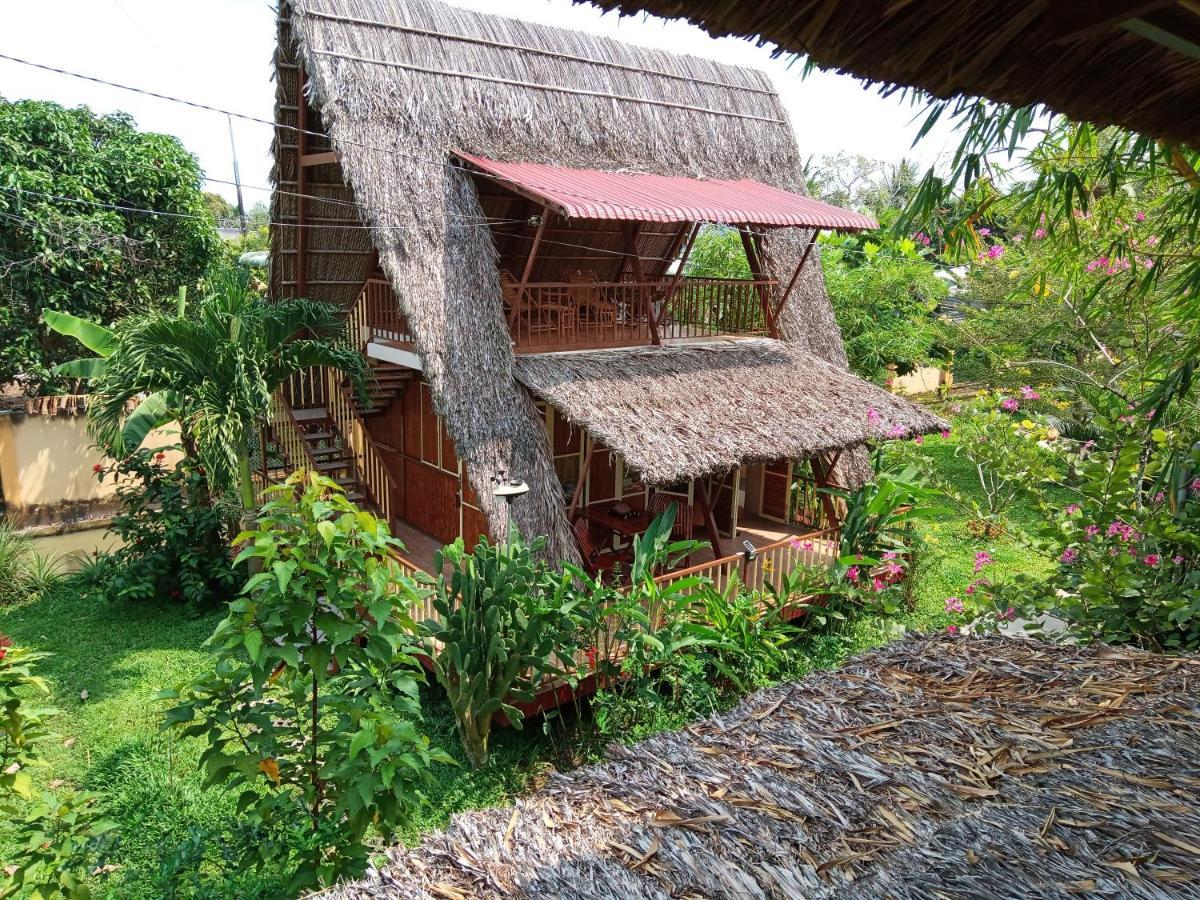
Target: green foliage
<point>878,516</point>
<point>213,369</point>
<point>89,260</point>
<point>718,253</point>
<point>857,182</point>
<point>59,837</point>
<point>749,632</point>
<point>22,571</point>
<point>884,298</point>
<point>312,705</point>
<point>175,538</point>
<point>504,622</point>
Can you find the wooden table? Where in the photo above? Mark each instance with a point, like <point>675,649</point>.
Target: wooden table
<point>627,527</point>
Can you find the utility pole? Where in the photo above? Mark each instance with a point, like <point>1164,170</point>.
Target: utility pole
<point>237,178</point>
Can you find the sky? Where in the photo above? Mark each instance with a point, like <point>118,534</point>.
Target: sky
<point>218,53</point>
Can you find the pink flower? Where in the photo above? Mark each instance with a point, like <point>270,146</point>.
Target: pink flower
<point>1178,560</point>
<point>890,554</point>
<point>919,439</point>
<point>1151,559</point>
<point>951,629</point>
<point>1030,394</point>
<point>877,585</point>
<point>852,574</point>
<point>982,558</point>
<point>893,569</point>
<point>1139,216</point>
<point>1039,233</point>
<point>945,434</point>
<point>954,605</point>
<point>1069,556</point>
<point>896,431</point>
<point>808,545</point>
<point>1195,485</point>
<point>1087,445</point>
<point>1160,497</point>
<point>1092,531</point>
<point>984,232</point>
<point>872,415</point>
<point>1071,508</point>
<point>1151,414</point>
<point>970,588</point>
<point>995,251</point>
<point>1008,615</point>
<point>1010,404</point>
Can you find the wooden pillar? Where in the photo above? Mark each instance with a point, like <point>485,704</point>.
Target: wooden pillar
<point>673,286</point>
<point>529,261</point>
<point>822,475</point>
<point>710,523</point>
<point>639,276</point>
<point>783,299</point>
<point>752,243</point>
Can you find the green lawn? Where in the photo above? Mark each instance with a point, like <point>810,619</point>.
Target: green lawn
<point>175,837</point>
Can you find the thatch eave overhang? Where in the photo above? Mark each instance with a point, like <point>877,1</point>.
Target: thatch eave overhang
<point>684,411</point>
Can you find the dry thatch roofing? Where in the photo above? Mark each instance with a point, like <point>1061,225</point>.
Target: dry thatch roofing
<point>398,84</point>
<point>937,767</point>
<point>1129,63</point>
<point>688,410</point>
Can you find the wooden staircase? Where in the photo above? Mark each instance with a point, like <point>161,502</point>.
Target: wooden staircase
<point>384,383</point>
<point>328,454</point>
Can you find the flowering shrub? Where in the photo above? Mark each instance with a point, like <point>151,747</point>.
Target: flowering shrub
<point>175,538</point>
<point>1127,552</point>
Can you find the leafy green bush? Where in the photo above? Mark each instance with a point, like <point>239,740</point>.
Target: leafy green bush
<point>504,622</point>
<point>59,837</point>
<point>312,707</point>
<point>175,538</point>
<point>24,574</point>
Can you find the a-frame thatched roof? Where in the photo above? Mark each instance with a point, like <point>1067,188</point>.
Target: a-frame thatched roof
<point>935,768</point>
<point>399,84</point>
<point>1129,63</point>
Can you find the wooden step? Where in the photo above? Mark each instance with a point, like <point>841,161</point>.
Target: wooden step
<point>314,436</point>
<point>326,451</point>
<point>312,414</point>
<point>333,465</point>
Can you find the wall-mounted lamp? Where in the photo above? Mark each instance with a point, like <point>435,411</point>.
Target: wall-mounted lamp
<point>508,488</point>
<point>750,553</point>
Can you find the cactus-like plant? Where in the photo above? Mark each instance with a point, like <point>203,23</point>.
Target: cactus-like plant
<point>504,622</point>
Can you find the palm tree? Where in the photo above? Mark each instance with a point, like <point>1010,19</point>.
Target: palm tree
<point>212,368</point>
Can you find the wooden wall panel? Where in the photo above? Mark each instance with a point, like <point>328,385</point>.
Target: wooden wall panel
<point>777,485</point>
<point>412,422</point>
<point>602,484</point>
<point>431,500</point>
<point>474,526</point>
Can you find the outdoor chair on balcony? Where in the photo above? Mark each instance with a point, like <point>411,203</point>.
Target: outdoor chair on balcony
<point>682,529</point>
<point>596,560</point>
<point>594,307</point>
<point>544,308</point>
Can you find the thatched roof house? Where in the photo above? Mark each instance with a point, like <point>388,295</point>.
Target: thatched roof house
<point>1125,63</point>
<point>937,767</point>
<point>409,117</point>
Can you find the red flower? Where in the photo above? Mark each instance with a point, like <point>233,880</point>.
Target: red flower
<point>159,457</point>
<point>97,468</point>
<point>591,658</point>
<point>5,643</point>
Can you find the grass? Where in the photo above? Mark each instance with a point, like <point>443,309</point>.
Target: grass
<point>178,839</point>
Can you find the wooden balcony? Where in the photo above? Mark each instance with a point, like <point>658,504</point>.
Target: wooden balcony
<point>584,314</point>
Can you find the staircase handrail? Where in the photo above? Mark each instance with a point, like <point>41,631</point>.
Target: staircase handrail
<point>369,469</point>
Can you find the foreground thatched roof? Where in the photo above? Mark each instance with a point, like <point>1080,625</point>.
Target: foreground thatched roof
<point>401,83</point>
<point>1126,63</point>
<point>937,767</point>
<point>688,410</point>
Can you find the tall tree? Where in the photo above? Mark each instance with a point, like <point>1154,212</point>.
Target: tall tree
<point>72,237</point>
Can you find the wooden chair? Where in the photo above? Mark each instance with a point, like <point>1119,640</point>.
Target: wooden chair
<point>594,308</point>
<point>596,560</point>
<point>660,503</point>
<point>545,308</point>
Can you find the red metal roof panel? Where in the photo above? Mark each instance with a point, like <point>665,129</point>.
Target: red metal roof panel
<point>628,197</point>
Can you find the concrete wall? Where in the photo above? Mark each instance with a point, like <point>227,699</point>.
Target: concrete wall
<point>46,468</point>
<point>925,380</point>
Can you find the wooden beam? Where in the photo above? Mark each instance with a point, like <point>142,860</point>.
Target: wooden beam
<point>710,523</point>
<point>796,275</point>
<point>307,160</point>
<point>673,286</point>
<point>751,244</point>
<point>583,476</point>
<point>529,261</point>
<point>301,281</point>
<point>639,275</point>
<point>821,475</point>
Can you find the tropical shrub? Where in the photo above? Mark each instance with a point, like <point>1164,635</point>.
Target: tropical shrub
<point>175,536</point>
<point>311,708</point>
<point>58,837</point>
<point>23,573</point>
<point>749,633</point>
<point>1126,548</point>
<point>504,622</point>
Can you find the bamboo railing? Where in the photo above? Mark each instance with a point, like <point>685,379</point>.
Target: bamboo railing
<point>376,315</point>
<point>369,468</point>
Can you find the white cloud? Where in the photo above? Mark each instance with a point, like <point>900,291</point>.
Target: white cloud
<point>219,53</point>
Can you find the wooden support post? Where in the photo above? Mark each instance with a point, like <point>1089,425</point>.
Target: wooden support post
<point>639,276</point>
<point>673,286</point>
<point>301,278</point>
<point>821,475</point>
<point>751,244</point>
<point>796,275</point>
<point>710,523</point>
<point>529,261</point>
<point>583,476</point>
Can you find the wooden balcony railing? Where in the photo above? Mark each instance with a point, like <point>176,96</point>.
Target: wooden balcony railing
<point>577,315</point>
<point>369,469</point>
<point>377,315</point>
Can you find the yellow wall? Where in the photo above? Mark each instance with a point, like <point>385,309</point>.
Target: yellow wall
<point>925,380</point>
<point>46,462</point>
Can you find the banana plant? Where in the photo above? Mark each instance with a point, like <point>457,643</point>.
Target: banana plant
<point>504,622</point>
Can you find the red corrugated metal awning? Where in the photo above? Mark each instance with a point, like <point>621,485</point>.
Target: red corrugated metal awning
<point>592,194</point>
